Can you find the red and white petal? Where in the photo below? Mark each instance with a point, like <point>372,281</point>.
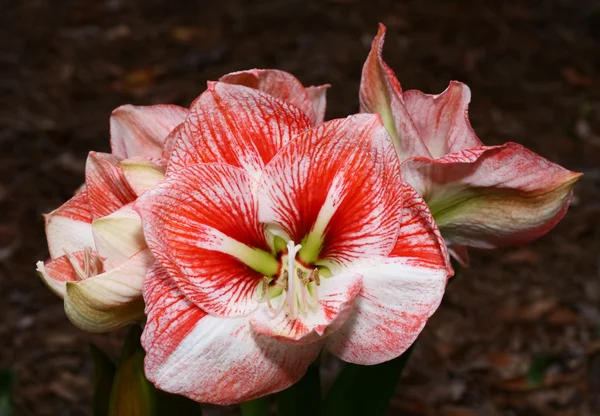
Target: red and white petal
<point>69,227</point>
<point>106,185</point>
<point>201,223</point>
<point>420,242</point>
<point>335,302</point>
<point>169,144</point>
<point>142,174</point>
<point>118,236</point>
<point>57,272</point>
<point>335,189</point>
<point>211,359</point>
<point>443,119</point>
<point>395,303</point>
<point>141,131</point>
<point>492,196</point>
<point>279,84</point>
<point>399,293</point>
<point>381,93</point>
<point>235,125</point>
<point>109,300</point>
<point>318,96</point>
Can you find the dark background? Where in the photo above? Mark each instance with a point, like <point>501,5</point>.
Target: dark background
<point>517,334</point>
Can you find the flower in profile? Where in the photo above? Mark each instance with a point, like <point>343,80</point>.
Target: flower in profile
<point>98,253</point>
<point>480,196</point>
<point>273,240</point>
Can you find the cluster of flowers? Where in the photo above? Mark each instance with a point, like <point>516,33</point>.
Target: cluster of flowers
<point>249,234</point>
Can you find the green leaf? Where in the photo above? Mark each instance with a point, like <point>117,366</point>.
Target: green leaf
<point>304,397</point>
<point>104,374</point>
<point>364,390</point>
<point>132,394</point>
<point>256,407</point>
<point>7,378</point>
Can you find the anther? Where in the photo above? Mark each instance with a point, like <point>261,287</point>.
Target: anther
<point>314,275</point>
<point>264,289</point>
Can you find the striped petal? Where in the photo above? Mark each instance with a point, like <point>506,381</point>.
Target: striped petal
<point>380,93</point>
<point>285,86</point>
<point>235,125</point>
<point>69,227</point>
<point>492,196</point>
<point>118,236</point>
<point>201,224</point>
<point>335,301</point>
<point>399,292</point>
<point>335,189</point>
<point>106,185</point>
<point>443,120</point>
<point>141,131</point>
<point>109,300</point>
<point>211,359</point>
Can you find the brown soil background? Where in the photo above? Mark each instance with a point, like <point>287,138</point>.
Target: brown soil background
<point>533,70</point>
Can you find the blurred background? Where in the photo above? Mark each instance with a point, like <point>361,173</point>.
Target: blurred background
<point>517,334</point>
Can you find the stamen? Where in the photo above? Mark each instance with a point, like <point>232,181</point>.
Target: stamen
<point>86,260</point>
<point>264,289</point>
<point>294,279</point>
<point>275,311</point>
<point>283,282</point>
<point>314,275</point>
<point>75,263</point>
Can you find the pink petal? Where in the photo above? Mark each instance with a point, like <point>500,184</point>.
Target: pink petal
<point>235,125</point>
<point>141,131</point>
<point>336,298</point>
<point>106,185</point>
<point>211,359</point>
<point>399,293</point>
<point>69,227</point>
<point>443,119</point>
<point>319,101</point>
<point>492,196</point>
<point>380,93</point>
<point>336,190</point>
<point>201,224</point>
<point>279,84</point>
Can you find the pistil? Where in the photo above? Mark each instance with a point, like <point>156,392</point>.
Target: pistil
<point>294,279</point>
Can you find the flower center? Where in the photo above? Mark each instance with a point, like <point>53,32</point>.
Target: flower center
<point>92,265</point>
<point>294,289</point>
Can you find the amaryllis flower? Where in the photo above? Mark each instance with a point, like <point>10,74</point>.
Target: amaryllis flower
<point>98,253</point>
<point>97,248</point>
<point>273,240</point>
<point>480,196</point>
